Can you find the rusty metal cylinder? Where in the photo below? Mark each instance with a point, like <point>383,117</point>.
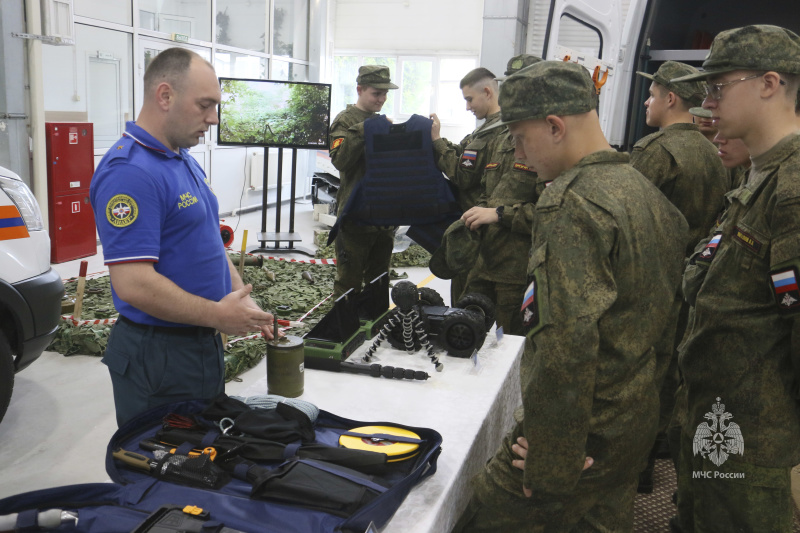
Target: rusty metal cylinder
<point>285,367</point>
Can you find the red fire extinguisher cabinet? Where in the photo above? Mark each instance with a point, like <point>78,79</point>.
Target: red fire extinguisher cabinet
<point>70,165</point>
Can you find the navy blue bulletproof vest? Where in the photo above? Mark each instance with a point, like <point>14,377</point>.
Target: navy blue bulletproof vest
<point>402,185</point>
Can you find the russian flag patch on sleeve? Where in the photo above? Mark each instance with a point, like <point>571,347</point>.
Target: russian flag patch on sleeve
<point>785,289</point>
<point>530,309</point>
<point>469,158</point>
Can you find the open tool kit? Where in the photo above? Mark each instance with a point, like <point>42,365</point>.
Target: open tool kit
<point>228,466</point>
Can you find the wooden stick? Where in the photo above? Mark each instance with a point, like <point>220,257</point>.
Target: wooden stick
<point>241,259</point>
<point>81,286</point>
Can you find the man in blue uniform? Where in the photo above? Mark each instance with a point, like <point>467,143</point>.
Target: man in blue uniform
<point>158,221</point>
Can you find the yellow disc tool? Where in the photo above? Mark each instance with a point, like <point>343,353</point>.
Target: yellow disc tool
<point>396,451</point>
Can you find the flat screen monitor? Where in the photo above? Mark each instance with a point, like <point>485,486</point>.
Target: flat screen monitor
<point>283,114</point>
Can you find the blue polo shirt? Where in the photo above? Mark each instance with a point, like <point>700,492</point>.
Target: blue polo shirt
<point>152,204</point>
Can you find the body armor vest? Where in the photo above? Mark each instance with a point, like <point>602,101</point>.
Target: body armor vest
<point>402,185</point>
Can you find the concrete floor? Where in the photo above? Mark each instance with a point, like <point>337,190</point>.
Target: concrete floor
<point>61,415</point>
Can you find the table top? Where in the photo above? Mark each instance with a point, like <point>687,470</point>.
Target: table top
<point>470,405</point>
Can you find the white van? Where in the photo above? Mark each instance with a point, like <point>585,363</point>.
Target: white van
<point>623,36</point>
<point>30,291</point>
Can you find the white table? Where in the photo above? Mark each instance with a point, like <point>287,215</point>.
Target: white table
<point>471,407</point>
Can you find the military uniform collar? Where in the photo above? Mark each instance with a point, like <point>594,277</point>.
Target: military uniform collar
<point>682,126</point>
<point>354,107</point>
<point>785,147</point>
<point>552,195</point>
<point>141,137</point>
<point>490,119</point>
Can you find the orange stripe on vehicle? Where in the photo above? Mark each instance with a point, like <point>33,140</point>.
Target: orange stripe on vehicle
<point>17,232</point>
<point>9,211</point>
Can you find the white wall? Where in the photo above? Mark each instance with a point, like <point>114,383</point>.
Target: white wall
<point>408,25</point>
<point>230,170</point>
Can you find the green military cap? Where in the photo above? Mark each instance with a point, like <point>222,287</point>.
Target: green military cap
<point>758,47</point>
<point>668,71</point>
<point>517,63</point>
<point>458,251</point>
<point>376,76</point>
<point>546,88</point>
<point>700,112</point>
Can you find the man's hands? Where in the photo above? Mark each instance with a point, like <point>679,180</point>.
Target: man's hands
<point>521,449</point>
<point>475,217</point>
<point>238,314</point>
<point>436,127</point>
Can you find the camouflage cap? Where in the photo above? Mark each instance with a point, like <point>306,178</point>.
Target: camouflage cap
<point>376,76</point>
<point>517,63</point>
<point>700,112</point>
<point>758,47</point>
<point>546,88</point>
<point>458,251</point>
<point>665,75</point>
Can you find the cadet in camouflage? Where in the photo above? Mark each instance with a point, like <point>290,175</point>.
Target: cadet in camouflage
<point>607,252</point>
<point>362,252</point>
<point>678,159</point>
<point>735,158</point>
<point>739,357</point>
<point>684,165</point>
<point>464,163</point>
<point>702,117</point>
<point>509,192</point>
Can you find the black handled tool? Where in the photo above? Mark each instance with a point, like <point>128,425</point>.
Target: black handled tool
<point>197,471</point>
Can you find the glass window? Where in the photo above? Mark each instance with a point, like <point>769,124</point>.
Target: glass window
<point>91,82</point>
<point>119,11</point>
<point>284,70</point>
<point>451,106</point>
<point>187,17</point>
<point>243,24</point>
<point>233,65</point>
<point>415,90</point>
<point>290,29</point>
<point>580,36</point>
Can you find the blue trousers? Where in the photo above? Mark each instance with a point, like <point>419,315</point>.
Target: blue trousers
<point>152,366</point>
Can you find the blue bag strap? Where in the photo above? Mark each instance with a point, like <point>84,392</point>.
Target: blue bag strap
<point>209,438</point>
<point>291,450</point>
<point>28,520</point>
<point>384,436</point>
<point>184,448</point>
<point>380,489</point>
<point>240,470</point>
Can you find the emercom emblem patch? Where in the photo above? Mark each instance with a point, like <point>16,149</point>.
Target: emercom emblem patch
<point>122,211</point>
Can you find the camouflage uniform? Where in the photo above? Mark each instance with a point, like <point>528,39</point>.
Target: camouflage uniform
<point>740,353</point>
<point>464,168</point>
<point>738,176</point>
<point>500,270</point>
<point>362,252</point>
<point>681,162</point>
<point>607,252</point>
<point>463,164</point>
<point>755,376</point>
<point>684,165</point>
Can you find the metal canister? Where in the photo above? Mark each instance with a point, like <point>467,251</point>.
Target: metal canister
<point>285,367</point>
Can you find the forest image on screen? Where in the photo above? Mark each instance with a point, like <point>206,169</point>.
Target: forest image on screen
<point>268,113</point>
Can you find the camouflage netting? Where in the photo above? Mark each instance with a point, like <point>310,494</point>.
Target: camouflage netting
<point>281,287</point>
<point>414,255</point>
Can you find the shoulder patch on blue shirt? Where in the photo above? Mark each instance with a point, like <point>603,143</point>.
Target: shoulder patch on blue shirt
<point>121,149</point>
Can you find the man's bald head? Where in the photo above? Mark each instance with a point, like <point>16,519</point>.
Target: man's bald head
<point>170,66</point>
